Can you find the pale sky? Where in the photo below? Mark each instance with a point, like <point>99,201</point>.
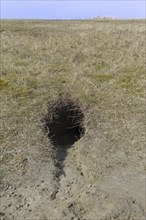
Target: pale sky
<point>47,9</point>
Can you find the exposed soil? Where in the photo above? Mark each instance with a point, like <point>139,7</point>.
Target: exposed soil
<point>119,194</point>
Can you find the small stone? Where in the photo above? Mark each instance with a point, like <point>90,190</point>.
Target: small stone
<point>18,206</point>
<point>53,196</point>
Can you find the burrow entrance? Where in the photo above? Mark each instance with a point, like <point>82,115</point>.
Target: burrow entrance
<point>64,124</point>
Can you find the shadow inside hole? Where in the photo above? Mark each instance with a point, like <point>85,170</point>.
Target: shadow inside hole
<point>64,129</point>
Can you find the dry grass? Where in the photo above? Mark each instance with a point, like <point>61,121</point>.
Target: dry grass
<point>99,62</point>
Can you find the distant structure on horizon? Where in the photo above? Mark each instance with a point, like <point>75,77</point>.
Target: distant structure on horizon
<point>104,18</point>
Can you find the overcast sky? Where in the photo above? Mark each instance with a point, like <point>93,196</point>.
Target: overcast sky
<point>27,9</point>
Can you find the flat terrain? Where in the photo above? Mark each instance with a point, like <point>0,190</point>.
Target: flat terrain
<point>101,63</point>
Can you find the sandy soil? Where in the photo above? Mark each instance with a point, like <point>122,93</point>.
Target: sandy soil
<point>33,192</point>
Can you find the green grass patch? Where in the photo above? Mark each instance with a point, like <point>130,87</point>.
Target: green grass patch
<point>133,70</point>
<point>100,65</point>
<point>2,174</point>
<point>21,62</point>
<point>98,77</point>
<point>58,67</point>
<point>130,84</point>
<point>3,84</point>
<point>103,77</point>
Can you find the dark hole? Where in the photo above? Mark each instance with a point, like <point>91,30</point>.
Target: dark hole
<point>64,126</point>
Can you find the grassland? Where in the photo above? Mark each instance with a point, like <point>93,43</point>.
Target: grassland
<point>102,64</point>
